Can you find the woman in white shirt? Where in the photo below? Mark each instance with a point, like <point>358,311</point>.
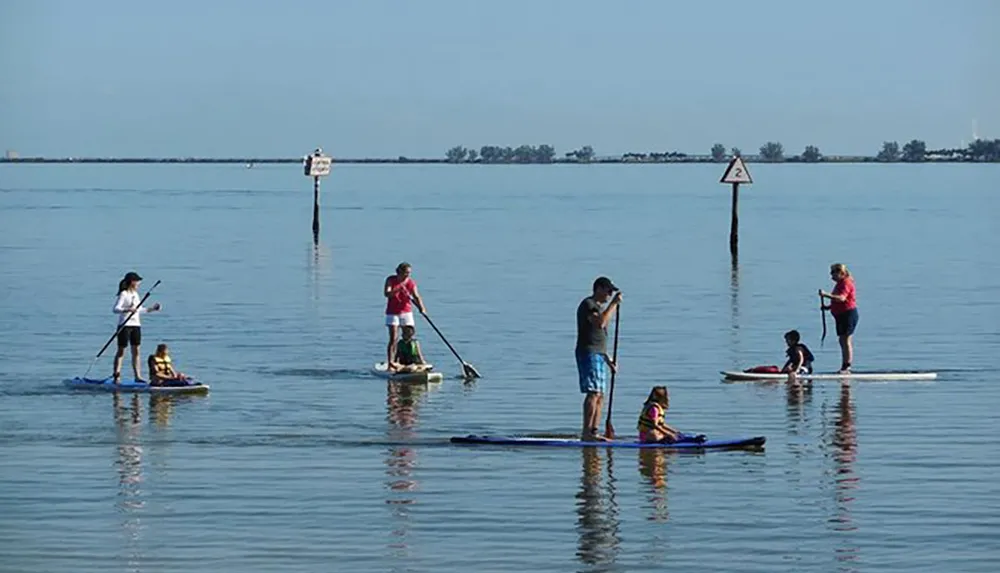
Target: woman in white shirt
<point>130,334</point>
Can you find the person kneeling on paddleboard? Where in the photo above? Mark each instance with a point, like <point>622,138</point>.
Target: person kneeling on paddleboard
<point>800,358</point>
<point>161,369</point>
<point>409,357</point>
<point>652,425</point>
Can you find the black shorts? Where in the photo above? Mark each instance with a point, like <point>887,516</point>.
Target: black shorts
<point>129,335</point>
<point>846,322</point>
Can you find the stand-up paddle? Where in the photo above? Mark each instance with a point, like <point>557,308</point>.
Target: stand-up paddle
<point>822,310</point>
<point>467,369</point>
<point>120,326</point>
<point>609,430</point>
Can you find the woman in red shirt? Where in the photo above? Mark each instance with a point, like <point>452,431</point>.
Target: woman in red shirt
<point>844,308</point>
<point>399,289</point>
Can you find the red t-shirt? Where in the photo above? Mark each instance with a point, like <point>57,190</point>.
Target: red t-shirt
<point>844,287</point>
<point>399,301</point>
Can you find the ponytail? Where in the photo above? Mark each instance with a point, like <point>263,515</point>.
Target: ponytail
<point>127,280</point>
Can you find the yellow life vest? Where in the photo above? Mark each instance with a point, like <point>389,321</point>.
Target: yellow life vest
<point>163,365</point>
<point>646,420</point>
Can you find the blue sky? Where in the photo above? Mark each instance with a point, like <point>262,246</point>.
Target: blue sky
<point>388,78</point>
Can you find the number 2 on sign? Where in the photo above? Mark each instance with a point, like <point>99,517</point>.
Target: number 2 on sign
<point>738,172</point>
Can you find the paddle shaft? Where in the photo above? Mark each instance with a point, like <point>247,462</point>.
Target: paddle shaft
<point>609,430</point>
<point>438,331</point>
<point>822,310</point>
<point>469,370</point>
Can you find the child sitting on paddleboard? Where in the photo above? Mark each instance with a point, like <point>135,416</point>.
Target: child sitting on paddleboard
<point>653,427</point>
<point>161,369</point>
<point>409,357</point>
<point>800,358</point>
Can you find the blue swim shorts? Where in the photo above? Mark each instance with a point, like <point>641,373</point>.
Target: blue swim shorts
<point>593,370</point>
<point>846,322</point>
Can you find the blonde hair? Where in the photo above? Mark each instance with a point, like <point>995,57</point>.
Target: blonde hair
<point>840,268</point>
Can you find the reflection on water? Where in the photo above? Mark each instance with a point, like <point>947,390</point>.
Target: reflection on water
<point>798,395</point>
<point>161,410</point>
<point>130,502</point>
<point>653,466</point>
<point>734,307</point>
<point>319,263</point>
<point>845,444</point>
<point>597,511</point>
<point>401,415</point>
<point>844,453</point>
<point>161,407</point>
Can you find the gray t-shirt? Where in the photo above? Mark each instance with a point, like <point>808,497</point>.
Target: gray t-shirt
<point>590,338</point>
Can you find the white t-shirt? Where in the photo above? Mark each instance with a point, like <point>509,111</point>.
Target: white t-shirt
<point>126,301</point>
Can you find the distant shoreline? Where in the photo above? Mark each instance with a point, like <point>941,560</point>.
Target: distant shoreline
<point>408,160</point>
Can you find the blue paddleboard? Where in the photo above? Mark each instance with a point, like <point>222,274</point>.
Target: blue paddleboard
<point>730,443</point>
<point>108,385</point>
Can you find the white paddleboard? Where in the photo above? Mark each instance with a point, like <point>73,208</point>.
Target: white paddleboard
<point>381,370</point>
<point>762,377</point>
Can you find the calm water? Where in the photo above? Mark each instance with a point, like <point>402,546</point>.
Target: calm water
<point>300,461</point>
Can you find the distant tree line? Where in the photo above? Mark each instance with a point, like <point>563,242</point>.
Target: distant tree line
<point>495,154</point>
<point>912,152</point>
<point>916,151</point>
<point>772,152</point>
<point>654,156</point>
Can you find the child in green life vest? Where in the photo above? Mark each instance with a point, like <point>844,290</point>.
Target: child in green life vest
<point>408,357</point>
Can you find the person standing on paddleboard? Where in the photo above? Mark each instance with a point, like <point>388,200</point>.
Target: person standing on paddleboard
<point>844,308</point>
<point>592,360</point>
<point>399,290</point>
<point>130,334</point>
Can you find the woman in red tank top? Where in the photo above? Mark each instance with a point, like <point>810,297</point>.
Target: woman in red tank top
<point>844,308</point>
<point>399,289</point>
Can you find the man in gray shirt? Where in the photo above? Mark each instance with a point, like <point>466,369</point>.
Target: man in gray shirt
<point>592,360</point>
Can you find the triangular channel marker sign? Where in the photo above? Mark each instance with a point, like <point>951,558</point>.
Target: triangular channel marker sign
<point>736,172</point>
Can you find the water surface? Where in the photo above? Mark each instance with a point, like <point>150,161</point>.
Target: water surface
<point>299,460</point>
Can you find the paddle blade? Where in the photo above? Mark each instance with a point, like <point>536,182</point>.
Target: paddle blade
<point>470,371</point>
<point>609,431</point>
